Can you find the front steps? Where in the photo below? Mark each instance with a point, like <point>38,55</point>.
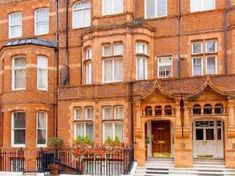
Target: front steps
<point>158,167</point>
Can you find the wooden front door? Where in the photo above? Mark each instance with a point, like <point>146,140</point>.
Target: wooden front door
<point>161,142</point>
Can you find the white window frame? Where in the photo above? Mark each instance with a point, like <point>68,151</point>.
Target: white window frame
<point>202,48</point>
<point>75,113</point>
<point>82,17</point>
<point>18,68</point>
<point>113,129</point>
<point>88,71</point>
<point>103,112</point>
<point>216,66</point>
<point>202,66</point>
<point>115,53</point>
<point>84,127</point>
<point>202,8</point>
<point>163,64</point>
<point>113,11</point>
<point>216,46</point>
<point>155,5</point>
<point>13,133</point>
<point>11,25</point>
<point>38,22</point>
<point>44,69</point>
<point>88,53</point>
<point>103,50</point>
<point>46,114</point>
<point>145,47</point>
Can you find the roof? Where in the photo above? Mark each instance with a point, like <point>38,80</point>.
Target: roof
<point>187,87</point>
<point>32,41</point>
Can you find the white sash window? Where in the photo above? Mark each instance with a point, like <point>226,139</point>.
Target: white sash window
<point>81,15</point>
<point>42,73</point>
<point>42,21</point>
<point>15,25</point>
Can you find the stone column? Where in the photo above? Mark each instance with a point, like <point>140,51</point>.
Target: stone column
<point>183,139</point>
<point>139,135</point>
<point>230,141</point>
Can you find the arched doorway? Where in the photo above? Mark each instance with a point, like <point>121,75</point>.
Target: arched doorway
<point>208,138</point>
<point>159,139</point>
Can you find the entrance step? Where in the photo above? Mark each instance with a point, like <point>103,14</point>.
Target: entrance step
<point>158,167</point>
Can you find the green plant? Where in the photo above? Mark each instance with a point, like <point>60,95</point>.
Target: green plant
<point>147,139</point>
<point>83,140</point>
<point>55,142</point>
<point>109,140</point>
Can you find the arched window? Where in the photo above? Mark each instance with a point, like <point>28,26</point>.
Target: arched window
<point>81,14</point>
<point>158,110</point>
<point>148,110</point>
<point>207,109</point>
<point>219,108</point>
<point>168,110</point>
<point>197,109</point>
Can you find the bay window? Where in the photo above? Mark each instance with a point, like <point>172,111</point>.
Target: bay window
<point>18,129</point>
<point>41,128</point>
<point>81,15</point>
<point>111,7</point>
<point>19,73</point>
<point>42,73</point>
<point>164,67</point>
<point>202,5</point>
<point>15,24</point>
<point>41,21</point>
<point>155,8</point>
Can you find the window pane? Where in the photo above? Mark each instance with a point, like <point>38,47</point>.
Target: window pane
<point>197,67</point>
<point>108,70</point>
<point>42,21</point>
<point>141,48</point>
<point>79,130</point>
<point>161,8</point>
<point>209,134</point>
<point>119,131</point>
<point>219,135</point>
<point>119,112</point>
<point>15,24</point>
<point>78,114</point>
<point>107,50</point>
<point>42,120</point>
<point>107,113</point>
<point>107,7</point>
<point>199,134</point>
<point>89,131</point>
<point>81,14</point>
<point>118,6</point>
<point>88,73</point>
<point>108,131</point>
<point>118,70</point>
<point>164,67</point>
<point>88,53</point>
<point>19,136</point>
<point>89,113</point>
<point>150,8</point>
<point>41,138</point>
<point>19,62</point>
<point>19,120</point>
<point>211,46</point>
<point>197,48</point>
<point>118,49</point>
<point>141,68</point>
<point>20,79</point>
<point>211,67</point>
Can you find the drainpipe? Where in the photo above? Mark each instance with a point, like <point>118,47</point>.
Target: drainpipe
<point>67,44</point>
<point>228,5</point>
<point>179,38</point>
<point>57,68</point>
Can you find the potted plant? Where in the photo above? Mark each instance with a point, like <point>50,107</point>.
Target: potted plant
<point>113,145</point>
<point>55,143</point>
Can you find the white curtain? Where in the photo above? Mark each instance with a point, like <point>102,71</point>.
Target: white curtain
<point>108,130</point>
<point>79,129</point>
<point>15,24</point>
<point>108,70</point>
<point>118,70</point>
<point>88,73</point>
<point>211,65</point>
<point>88,113</point>
<point>81,14</point>
<point>119,131</point>
<point>197,66</point>
<point>161,8</point>
<point>78,113</point>
<point>119,112</point>
<point>118,49</point>
<point>107,112</point>
<point>89,130</point>
<point>42,72</point>
<point>118,6</point>
<point>42,21</point>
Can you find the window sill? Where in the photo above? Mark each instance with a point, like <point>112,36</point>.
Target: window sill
<point>112,56</point>
<point>111,82</point>
<point>18,145</point>
<point>19,89</point>
<point>42,146</point>
<point>82,27</point>
<point>40,35</point>
<point>112,15</point>
<point>44,90</point>
<point>203,11</point>
<point>156,17</point>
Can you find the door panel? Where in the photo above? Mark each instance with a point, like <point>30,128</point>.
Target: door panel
<point>161,143</point>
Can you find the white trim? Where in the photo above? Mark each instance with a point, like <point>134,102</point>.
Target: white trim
<point>155,5</point>
<point>12,130</point>
<point>41,145</point>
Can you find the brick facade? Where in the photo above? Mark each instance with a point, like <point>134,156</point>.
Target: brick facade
<point>171,35</point>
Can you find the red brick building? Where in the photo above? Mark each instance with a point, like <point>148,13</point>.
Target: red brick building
<point>136,70</point>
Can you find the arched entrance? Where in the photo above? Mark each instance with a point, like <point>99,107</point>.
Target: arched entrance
<point>208,138</point>
<point>159,139</point>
